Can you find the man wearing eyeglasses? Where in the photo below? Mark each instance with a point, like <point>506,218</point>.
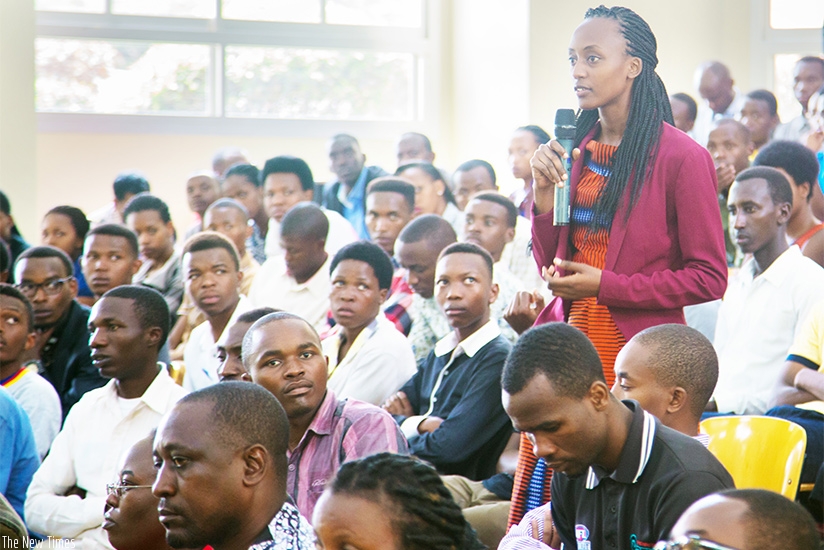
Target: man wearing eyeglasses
<point>45,275</point>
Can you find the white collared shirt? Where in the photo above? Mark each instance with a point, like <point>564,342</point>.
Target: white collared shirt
<point>469,346</point>
<point>274,287</point>
<point>757,323</point>
<point>200,353</point>
<point>378,363</point>
<point>86,453</point>
<point>705,117</point>
<point>517,257</point>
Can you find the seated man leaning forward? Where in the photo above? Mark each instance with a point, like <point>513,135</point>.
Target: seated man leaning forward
<point>283,354</point>
<point>451,408</point>
<point>621,478</point>
<point>369,359</point>
<point>67,496</point>
<point>220,457</point>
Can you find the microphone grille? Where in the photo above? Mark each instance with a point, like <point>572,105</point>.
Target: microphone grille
<point>565,117</point>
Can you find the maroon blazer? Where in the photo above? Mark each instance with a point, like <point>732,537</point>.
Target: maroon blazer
<point>668,254</point>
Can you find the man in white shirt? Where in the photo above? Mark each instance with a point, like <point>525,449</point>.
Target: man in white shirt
<point>126,185</point>
<point>721,98</point>
<point>211,267</point>
<point>808,77</point>
<point>298,282</point>
<point>67,496</point>
<point>766,302</point>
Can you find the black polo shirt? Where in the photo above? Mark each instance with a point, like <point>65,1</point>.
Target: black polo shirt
<point>660,473</point>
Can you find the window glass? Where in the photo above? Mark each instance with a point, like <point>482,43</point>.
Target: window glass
<point>385,13</point>
<point>197,9</point>
<point>114,77</point>
<point>291,11</point>
<point>796,14</point>
<point>296,83</point>
<point>77,6</point>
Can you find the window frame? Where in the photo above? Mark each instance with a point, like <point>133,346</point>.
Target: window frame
<point>423,43</point>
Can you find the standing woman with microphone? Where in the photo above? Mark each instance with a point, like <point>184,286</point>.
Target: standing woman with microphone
<point>644,237</point>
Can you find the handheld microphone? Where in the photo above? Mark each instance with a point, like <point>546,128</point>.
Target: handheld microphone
<point>565,134</point>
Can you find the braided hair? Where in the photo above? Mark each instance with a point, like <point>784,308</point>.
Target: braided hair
<point>649,107</point>
<point>427,517</point>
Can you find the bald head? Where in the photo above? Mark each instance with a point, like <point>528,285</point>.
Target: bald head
<point>715,85</point>
<point>414,146</point>
<point>435,230</point>
<point>305,219</point>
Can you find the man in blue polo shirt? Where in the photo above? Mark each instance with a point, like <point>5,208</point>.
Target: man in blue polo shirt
<point>18,453</point>
<point>621,478</point>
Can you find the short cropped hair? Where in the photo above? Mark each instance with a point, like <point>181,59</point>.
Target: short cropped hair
<point>478,163</point>
<point>780,190</point>
<point>265,320</point>
<point>692,106</point>
<point>226,202</point>
<point>117,230</point>
<point>432,172</point>
<point>144,202</point>
<point>249,172</point>
<point>209,240</point>
<point>286,164</point>
<point>392,184</point>
<point>812,59</point>
<point>46,251</point>
<point>767,97</point>
<point>469,248</point>
<point>558,351</point>
<point>76,217</point>
<point>254,314</point>
<point>149,305</point>
<point>431,228</point>
<point>742,131</point>
<point>130,183</point>
<point>427,144</point>
<point>682,357</point>
<point>305,219</point>
<point>774,521</point>
<point>11,292</point>
<point>370,254</point>
<point>792,157</point>
<point>497,198</point>
<point>246,414</point>
<point>541,136</point>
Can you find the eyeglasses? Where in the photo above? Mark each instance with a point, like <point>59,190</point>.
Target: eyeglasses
<point>690,542</point>
<point>117,489</point>
<point>51,288</point>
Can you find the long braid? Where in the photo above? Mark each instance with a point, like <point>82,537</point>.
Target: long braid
<point>428,518</point>
<point>649,107</point>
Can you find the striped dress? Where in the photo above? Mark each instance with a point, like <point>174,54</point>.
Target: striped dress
<point>589,243</point>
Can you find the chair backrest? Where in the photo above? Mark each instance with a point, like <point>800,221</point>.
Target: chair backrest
<point>759,452</point>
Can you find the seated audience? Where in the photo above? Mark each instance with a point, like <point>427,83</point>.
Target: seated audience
<point>67,496</point>
<point>684,111</point>
<point>283,354</point>
<point>347,193</point>
<point>126,185</point>
<point>525,141</point>
<point>13,531</point>
<point>227,157</point>
<point>808,78</point>
<point>490,223</point>
<point>149,218</point>
<point>286,182</point>
<point>242,183</point>
<point>233,494</point>
<point>611,459</point>
<point>201,190</point>
<point>767,300</point>
<point>745,519</point>
<point>721,99</point>
<point>413,146</point>
<point>298,282</point>
<point>368,358</point>
<point>61,352</point>
<point>211,268</point>
<point>229,350</point>
<point>760,115</point>
<point>31,391</point>
<point>130,517</point>
<point>475,176</point>
<point>450,410</point>
<point>800,167</point>
<point>421,242</point>
<point>9,233</point>
<point>65,227</point>
<point>390,501</point>
<point>110,258</point>
<point>432,194</point>
<point>18,454</point>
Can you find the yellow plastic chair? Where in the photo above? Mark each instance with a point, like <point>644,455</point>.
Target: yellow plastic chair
<point>759,452</point>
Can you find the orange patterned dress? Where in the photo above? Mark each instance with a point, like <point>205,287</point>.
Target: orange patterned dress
<point>589,242</point>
